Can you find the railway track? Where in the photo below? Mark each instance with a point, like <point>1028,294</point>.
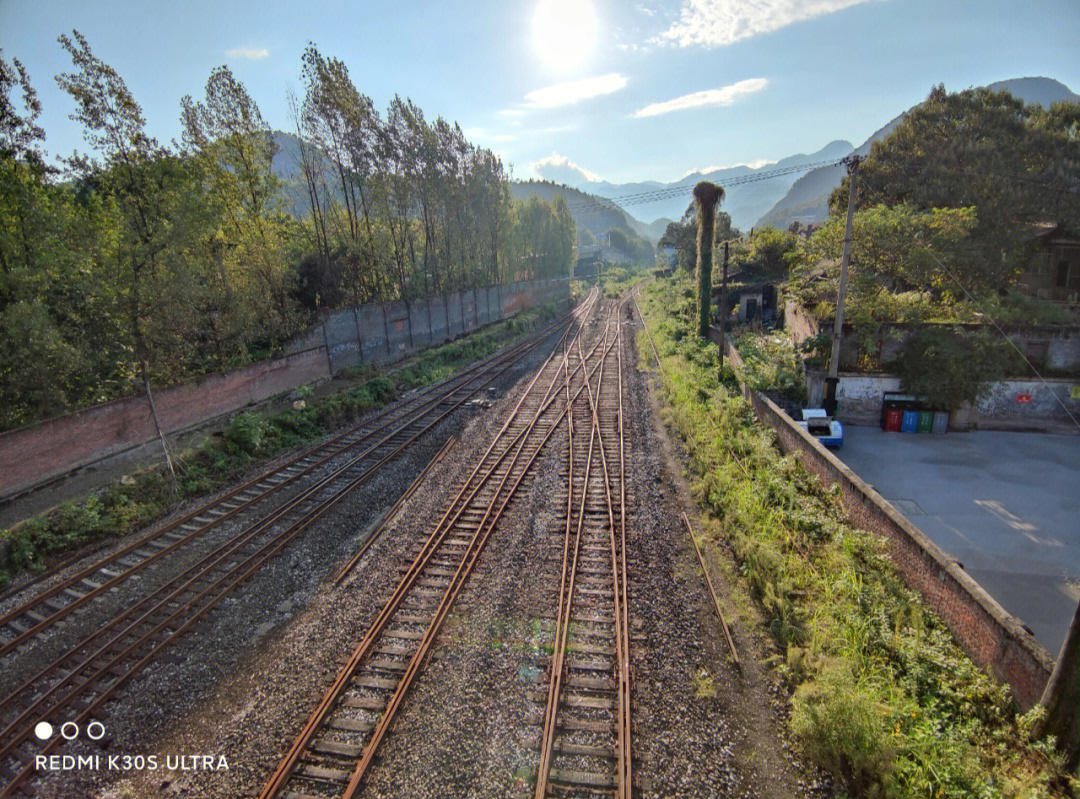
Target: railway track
<point>585,737</point>
<point>76,685</point>
<point>335,749</point>
<point>254,500</point>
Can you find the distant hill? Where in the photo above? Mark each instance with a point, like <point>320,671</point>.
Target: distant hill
<point>286,166</point>
<point>596,214</point>
<point>1037,91</point>
<point>807,200</point>
<point>745,203</point>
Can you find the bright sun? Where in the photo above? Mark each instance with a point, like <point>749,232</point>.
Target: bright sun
<point>564,32</point>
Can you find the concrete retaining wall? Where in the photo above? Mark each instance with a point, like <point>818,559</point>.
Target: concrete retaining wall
<point>991,636</point>
<point>1020,404</point>
<point>345,338</point>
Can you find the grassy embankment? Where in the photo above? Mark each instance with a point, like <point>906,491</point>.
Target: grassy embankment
<point>882,695</point>
<point>249,439</point>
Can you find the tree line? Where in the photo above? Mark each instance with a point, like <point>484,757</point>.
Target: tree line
<point>141,262</point>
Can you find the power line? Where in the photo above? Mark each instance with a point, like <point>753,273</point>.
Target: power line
<point>669,192</point>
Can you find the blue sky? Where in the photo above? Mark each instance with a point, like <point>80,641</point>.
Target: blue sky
<point>624,90</point>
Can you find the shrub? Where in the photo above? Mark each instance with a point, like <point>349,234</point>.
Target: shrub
<point>246,432</point>
<point>843,726</point>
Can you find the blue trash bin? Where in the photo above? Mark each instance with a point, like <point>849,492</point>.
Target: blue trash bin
<point>910,422</point>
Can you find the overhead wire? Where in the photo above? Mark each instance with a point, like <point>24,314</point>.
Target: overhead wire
<point>670,192</point>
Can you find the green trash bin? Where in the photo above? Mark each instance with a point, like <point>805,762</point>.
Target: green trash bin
<point>926,422</point>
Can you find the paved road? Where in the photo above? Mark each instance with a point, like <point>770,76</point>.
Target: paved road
<point>1006,505</point>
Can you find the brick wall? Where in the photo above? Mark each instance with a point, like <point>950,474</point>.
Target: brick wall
<point>991,636</point>
<point>32,454</point>
<point>377,332</point>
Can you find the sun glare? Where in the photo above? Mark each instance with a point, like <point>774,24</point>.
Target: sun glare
<point>564,32</point>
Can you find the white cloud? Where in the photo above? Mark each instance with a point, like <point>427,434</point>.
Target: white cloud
<point>713,23</point>
<point>574,91</point>
<point>512,112</point>
<point>251,53</point>
<point>722,96</point>
<point>562,170</point>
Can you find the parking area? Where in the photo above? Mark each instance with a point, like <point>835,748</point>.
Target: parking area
<point>1006,505</point>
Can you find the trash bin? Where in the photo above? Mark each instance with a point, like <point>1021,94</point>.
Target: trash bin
<point>892,420</point>
<point>910,422</point>
<point>894,401</point>
<point>941,422</point>
<point>926,422</point>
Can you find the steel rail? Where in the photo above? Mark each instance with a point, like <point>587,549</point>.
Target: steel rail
<point>467,562</point>
<point>179,584</point>
<point>291,758</point>
<point>712,593</point>
<point>568,578</point>
<point>464,570</point>
<point>622,642</point>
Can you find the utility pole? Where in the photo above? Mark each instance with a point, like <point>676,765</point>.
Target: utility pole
<point>829,403</point>
<point>723,312</point>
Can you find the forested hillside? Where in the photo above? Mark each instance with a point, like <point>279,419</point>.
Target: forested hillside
<point>807,200</point>
<point>595,214</point>
<point>143,263</point>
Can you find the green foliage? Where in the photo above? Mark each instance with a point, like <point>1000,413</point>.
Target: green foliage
<point>154,262</point>
<point>772,363</point>
<point>541,239</point>
<point>844,728</point>
<point>682,236</point>
<point>980,149</point>
<point>636,248</point>
<point>706,197</point>
<point>948,367</point>
<point>246,432</point>
<point>615,280</point>
<point>883,695</point>
<point>771,254</point>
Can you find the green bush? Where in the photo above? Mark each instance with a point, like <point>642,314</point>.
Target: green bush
<point>246,432</point>
<point>844,727</point>
<point>947,367</point>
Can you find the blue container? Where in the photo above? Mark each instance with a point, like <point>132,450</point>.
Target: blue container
<point>910,422</point>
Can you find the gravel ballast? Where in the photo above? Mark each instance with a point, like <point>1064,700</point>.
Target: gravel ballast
<point>243,686</point>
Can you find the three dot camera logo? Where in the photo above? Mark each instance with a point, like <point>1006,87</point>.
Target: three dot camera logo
<point>69,730</point>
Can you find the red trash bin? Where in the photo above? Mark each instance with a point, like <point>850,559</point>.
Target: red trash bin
<point>893,418</point>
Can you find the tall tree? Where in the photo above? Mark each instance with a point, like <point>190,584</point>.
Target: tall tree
<point>158,205</point>
<point>706,197</point>
<point>227,133</point>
